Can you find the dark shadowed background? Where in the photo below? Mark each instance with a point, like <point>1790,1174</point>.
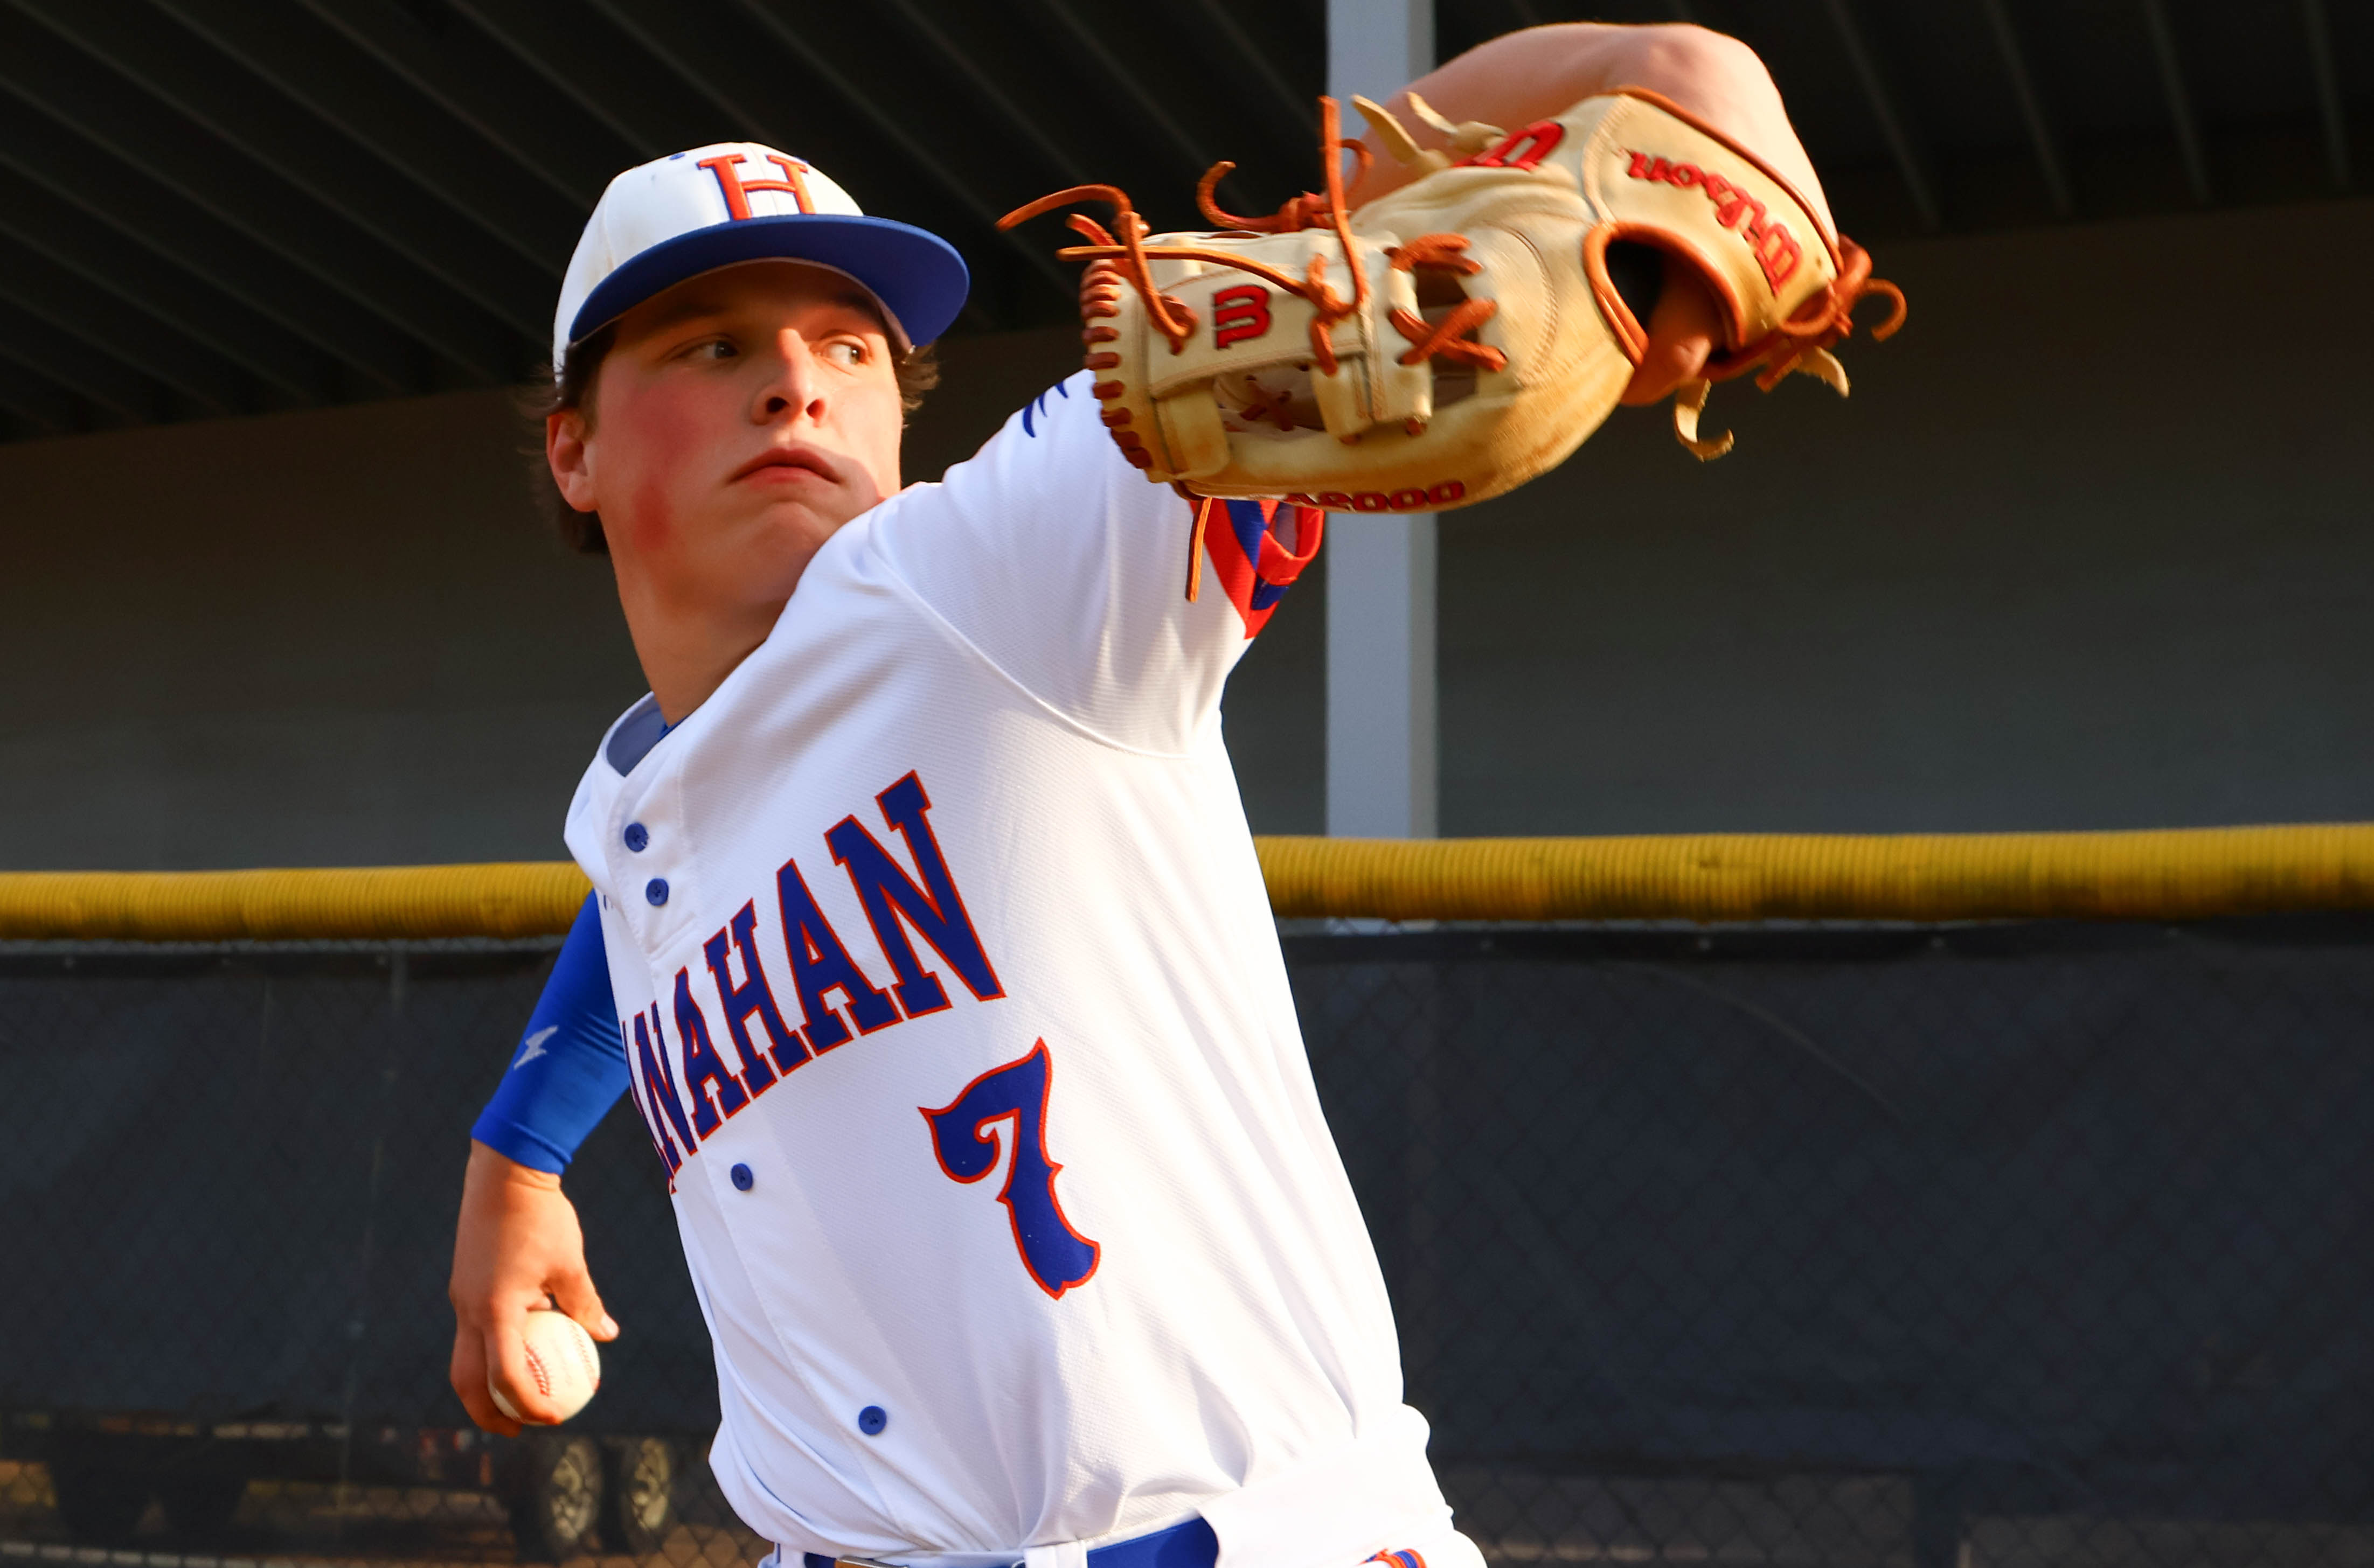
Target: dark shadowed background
<point>2087,547</point>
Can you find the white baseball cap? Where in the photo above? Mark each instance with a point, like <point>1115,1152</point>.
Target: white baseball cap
<point>694,212</point>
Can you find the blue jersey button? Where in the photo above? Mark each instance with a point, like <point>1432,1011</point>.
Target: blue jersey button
<point>655,892</point>
<point>637,836</point>
<point>872,1420</point>
<point>742,1179</point>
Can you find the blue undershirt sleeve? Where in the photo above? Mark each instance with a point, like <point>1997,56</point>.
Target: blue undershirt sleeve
<point>567,1069</point>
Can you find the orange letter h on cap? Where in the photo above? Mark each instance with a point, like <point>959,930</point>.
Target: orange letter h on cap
<point>737,188</point>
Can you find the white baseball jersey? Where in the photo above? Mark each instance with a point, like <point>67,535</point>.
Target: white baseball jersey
<point>953,1005</point>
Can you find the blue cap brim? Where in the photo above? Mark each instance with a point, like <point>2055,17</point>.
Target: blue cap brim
<point>918,276</point>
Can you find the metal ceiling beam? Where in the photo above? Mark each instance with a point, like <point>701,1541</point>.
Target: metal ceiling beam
<point>472,77</point>
<point>72,90</point>
<point>757,124</point>
<point>2328,91</point>
<point>1893,129</point>
<point>155,224</point>
<point>66,360</point>
<point>2031,109</point>
<point>886,122</point>
<point>83,310</point>
<point>2180,99</point>
<point>1127,88</point>
<point>1300,112</point>
<point>111,260</point>
<point>299,150</point>
<point>313,65</point>
<point>554,43</point>
<point>1057,157</point>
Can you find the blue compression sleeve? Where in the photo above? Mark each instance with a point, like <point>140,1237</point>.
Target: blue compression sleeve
<point>569,1069</point>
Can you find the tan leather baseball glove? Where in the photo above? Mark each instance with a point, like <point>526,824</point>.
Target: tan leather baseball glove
<point>1456,337</point>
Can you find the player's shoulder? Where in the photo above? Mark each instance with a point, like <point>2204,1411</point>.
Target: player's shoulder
<point>1059,405</point>
<point>1051,449</point>
<point>1060,426</point>
<point>630,739</point>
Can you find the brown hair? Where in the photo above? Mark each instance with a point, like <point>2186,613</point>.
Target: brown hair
<point>918,370</point>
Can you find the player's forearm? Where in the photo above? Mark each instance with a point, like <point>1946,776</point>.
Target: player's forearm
<point>1528,75</point>
<point>566,1072</point>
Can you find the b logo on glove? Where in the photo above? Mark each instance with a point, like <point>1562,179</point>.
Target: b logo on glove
<point>1239,315</point>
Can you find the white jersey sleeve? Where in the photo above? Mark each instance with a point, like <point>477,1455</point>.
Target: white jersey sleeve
<point>1060,565</point>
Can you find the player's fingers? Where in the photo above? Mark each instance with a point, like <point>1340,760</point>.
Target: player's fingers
<point>469,1379</point>
<point>574,1294</point>
<point>1684,331</point>
<point>506,1354</point>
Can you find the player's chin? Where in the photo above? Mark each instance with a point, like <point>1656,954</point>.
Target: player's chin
<point>802,522</point>
<point>770,548</point>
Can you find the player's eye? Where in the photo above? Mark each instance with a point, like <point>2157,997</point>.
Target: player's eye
<point>846,351</point>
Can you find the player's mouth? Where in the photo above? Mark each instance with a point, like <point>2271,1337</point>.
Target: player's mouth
<point>794,464</point>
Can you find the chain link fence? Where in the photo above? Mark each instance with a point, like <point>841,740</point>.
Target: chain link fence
<point>1920,1245</point>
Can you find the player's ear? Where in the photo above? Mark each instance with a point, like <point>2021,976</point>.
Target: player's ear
<point>570,458</point>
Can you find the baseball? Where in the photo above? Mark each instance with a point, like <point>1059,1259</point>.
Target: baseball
<point>562,1361</point>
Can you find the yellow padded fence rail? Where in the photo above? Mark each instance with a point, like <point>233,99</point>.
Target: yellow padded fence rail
<point>378,904</point>
<point>2172,874</point>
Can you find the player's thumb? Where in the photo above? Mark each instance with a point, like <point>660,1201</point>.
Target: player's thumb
<point>574,1293</point>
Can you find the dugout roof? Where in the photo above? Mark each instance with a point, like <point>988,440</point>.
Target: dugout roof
<point>217,207</point>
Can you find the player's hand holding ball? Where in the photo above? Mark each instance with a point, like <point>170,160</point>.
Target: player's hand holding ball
<point>562,1364</point>
<point>518,1252</point>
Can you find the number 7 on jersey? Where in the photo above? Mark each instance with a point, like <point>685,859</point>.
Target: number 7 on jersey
<point>964,1137</point>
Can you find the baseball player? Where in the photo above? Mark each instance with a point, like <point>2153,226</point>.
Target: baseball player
<point>927,934</point>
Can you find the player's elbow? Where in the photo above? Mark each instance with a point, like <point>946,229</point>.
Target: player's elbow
<point>1692,65</point>
<point>1684,53</point>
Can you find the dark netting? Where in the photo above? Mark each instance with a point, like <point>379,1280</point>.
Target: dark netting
<point>230,1188</point>
<point>1976,1246</point>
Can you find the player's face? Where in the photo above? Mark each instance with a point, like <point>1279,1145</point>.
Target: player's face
<point>740,420</point>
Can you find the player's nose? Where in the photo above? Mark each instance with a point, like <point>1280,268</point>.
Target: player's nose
<point>791,386</point>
